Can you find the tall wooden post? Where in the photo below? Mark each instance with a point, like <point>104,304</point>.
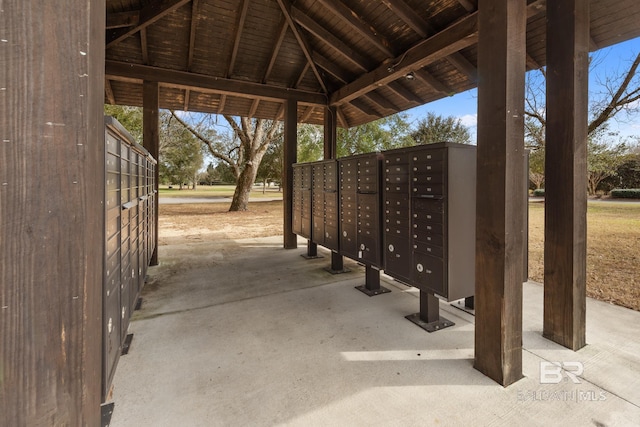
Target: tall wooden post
<point>500,204</point>
<point>565,249</point>
<point>330,133</point>
<point>51,211</point>
<point>151,141</point>
<point>290,156</point>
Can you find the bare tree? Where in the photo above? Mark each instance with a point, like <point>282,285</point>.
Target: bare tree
<point>619,94</point>
<point>242,149</point>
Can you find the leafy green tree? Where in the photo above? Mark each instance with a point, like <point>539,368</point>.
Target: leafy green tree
<point>270,169</point>
<point>129,117</point>
<point>383,134</point>
<point>310,143</point>
<point>180,152</point>
<point>603,158</point>
<point>435,128</point>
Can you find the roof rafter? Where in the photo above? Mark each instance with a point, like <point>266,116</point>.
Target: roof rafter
<point>117,70</point>
<point>330,39</point>
<point>276,49</point>
<point>109,92</point>
<point>144,46</point>
<point>148,15</point>
<point>285,7</point>
<point>355,22</point>
<point>122,19</point>
<point>435,84</point>
<point>457,36</point>
<point>236,39</point>
<point>470,5</point>
<point>192,32</point>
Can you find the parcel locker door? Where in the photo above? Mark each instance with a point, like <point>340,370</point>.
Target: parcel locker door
<point>397,258</point>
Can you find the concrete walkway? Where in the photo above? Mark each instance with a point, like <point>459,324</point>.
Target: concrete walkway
<point>245,333</point>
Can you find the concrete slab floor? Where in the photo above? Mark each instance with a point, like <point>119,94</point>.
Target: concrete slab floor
<point>246,333</point>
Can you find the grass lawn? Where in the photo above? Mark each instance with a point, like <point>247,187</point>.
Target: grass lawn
<point>613,250</point>
<point>217,191</point>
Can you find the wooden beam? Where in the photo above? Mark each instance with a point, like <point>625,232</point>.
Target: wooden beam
<point>436,85</point>
<point>470,5</point>
<point>382,101</point>
<point>144,46</point>
<point>276,49</point>
<point>187,95</point>
<point>500,211</point>
<point>565,244</point>
<point>280,112</point>
<point>305,68</point>
<point>359,25</point>
<point>108,91</point>
<point>363,106</point>
<point>285,7</point>
<point>195,7</point>
<point>330,134</point>
<point>407,94</point>
<point>182,79</point>
<point>289,158</point>
<point>332,68</point>
<point>342,119</point>
<point>459,35</point>
<point>307,113</point>
<point>236,37</point>
<point>330,40</point>
<point>148,15</point>
<point>52,188</point>
<point>221,104</point>
<point>532,63</point>
<point>463,65</point>
<point>151,141</point>
<point>254,107</point>
<point>122,19</point>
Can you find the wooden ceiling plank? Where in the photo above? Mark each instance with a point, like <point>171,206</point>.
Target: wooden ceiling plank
<point>435,84</point>
<point>331,68</point>
<point>144,46</point>
<point>285,7</point>
<point>276,49</point>
<point>148,15</point>
<point>122,19</point>
<point>536,7</point>
<point>470,5</point>
<point>238,33</point>
<point>280,113</point>
<point>532,63</point>
<point>330,39</point>
<point>359,25</point>
<point>195,7</point>
<point>302,74</point>
<point>183,79</point>
<point>409,16</point>
<point>452,39</point>
<point>108,90</point>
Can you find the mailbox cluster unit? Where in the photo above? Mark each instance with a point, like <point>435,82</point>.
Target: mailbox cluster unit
<point>129,237</point>
<point>409,211</point>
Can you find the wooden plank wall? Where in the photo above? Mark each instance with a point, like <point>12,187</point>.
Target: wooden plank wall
<point>51,211</point>
<point>500,202</point>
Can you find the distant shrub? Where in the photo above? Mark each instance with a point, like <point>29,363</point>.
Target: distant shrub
<point>538,192</point>
<point>625,193</point>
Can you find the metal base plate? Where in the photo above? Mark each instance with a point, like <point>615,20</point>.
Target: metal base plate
<point>127,344</point>
<point>138,304</point>
<point>330,270</point>
<point>460,306</point>
<point>439,324</point>
<point>106,411</point>
<point>372,292</point>
<point>305,256</point>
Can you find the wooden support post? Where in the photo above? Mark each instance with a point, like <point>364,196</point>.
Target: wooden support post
<point>499,222</point>
<point>51,212</point>
<point>330,133</point>
<point>290,156</point>
<point>151,141</point>
<point>565,249</point>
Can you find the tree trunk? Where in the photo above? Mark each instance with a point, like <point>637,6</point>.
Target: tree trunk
<point>240,201</point>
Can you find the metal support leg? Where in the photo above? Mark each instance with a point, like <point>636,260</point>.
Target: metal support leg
<point>312,251</point>
<point>337,264</point>
<point>470,302</point>
<point>429,316</point>
<point>372,284</point>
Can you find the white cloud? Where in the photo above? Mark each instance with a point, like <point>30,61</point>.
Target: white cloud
<point>469,120</point>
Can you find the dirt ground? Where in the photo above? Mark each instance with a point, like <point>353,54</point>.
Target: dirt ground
<point>612,253</point>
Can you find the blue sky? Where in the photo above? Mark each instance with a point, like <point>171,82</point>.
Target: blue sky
<point>613,60</point>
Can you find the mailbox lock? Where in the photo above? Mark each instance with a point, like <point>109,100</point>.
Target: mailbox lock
<point>344,233</point>
<point>391,248</point>
<point>362,247</point>
<point>420,268</point>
